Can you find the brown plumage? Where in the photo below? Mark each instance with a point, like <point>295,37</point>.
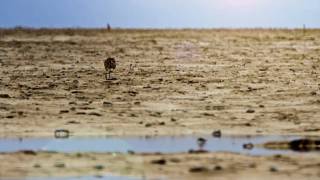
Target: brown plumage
<point>109,65</point>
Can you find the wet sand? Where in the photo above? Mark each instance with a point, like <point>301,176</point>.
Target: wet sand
<point>167,82</point>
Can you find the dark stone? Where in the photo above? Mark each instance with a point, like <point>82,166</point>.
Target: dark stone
<point>159,162</point>
<point>64,111</point>
<point>218,168</point>
<point>107,104</point>
<point>304,145</point>
<point>98,167</point>
<point>273,169</point>
<point>162,123</point>
<point>29,152</point>
<point>250,111</point>
<point>248,146</point>
<point>60,165</point>
<point>4,96</point>
<point>199,151</point>
<point>148,125</point>
<point>94,114</point>
<point>216,133</point>
<point>198,169</point>
<point>61,133</point>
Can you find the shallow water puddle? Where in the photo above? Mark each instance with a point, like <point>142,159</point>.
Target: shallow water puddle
<point>162,144</point>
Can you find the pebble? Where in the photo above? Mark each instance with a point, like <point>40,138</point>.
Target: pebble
<point>64,111</point>
<point>148,125</point>
<point>159,161</point>
<point>248,146</point>
<point>250,111</point>
<point>94,114</point>
<point>218,168</point>
<point>198,169</point>
<point>4,96</point>
<point>273,169</point>
<point>98,167</point>
<point>37,166</point>
<point>61,133</point>
<point>29,152</point>
<point>60,165</point>
<point>216,133</point>
<point>107,104</point>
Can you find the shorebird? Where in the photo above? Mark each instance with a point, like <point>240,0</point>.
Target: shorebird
<point>201,142</point>
<point>109,65</point>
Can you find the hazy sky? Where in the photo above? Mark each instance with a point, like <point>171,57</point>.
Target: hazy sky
<point>160,13</point>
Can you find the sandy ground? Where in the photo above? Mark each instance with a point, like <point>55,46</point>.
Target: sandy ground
<point>167,82</point>
<point>172,166</point>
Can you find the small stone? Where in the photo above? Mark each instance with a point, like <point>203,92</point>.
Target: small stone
<point>250,111</point>
<point>60,165</point>
<point>20,113</point>
<point>29,152</point>
<point>64,111</point>
<point>162,123</point>
<point>216,133</point>
<point>137,103</point>
<point>36,165</point>
<point>4,96</point>
<point>107,104</point>
<point>148,125</point>
<point>313,93</point>
<point>248,146</point>
<point>199,151</point>
<point>273,169</point>
<point>173,120</point>
<point>94,114</point>
<point>159,161</point>
<point>198,169</point>
<point>218,168</point>
<point>61,133</point>
<point>79,155</point>
<point>175,160</point>
<point>73,122</point>
<point>131,152</point>
<point>98,167</point>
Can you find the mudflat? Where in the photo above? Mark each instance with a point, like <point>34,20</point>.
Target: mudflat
<point>167,82</point>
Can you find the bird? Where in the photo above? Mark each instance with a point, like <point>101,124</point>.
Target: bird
<point>201,142</point>
<point>109,65</point>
